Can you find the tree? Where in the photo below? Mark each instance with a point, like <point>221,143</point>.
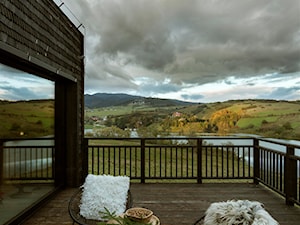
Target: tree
<point>112,132</point>
<point>287,126</point>
<point>15,127</point>
<point>224,119</point>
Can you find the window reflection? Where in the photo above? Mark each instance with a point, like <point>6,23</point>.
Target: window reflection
<point>26,161</point>
<point>26,104</point>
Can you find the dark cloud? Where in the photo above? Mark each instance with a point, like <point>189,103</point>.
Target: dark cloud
<point>195,97</point>
<point>291,93</point>
<point>197,40</point>
<point>152,88</point>
<point>137,29</point>
<point>229,82</point>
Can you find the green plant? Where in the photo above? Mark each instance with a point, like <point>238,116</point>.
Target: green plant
<point>111,216</point>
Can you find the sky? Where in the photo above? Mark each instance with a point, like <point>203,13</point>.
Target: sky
<point>17,85</point>
<point>191,50</point>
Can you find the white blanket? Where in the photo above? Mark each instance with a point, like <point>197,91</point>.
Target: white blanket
<point>103,191</point>
<point>240,212</point>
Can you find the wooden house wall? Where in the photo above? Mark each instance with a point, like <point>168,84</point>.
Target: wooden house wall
<point>37,37</point>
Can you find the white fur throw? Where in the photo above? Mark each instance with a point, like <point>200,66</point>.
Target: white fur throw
<point>103,191</point>
<point>240,212</point>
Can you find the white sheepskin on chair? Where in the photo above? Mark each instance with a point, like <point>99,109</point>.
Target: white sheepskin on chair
<point>103,191</point>
<point>240,212</point>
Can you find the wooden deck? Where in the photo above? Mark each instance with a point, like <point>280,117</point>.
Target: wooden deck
<point>179,204</point>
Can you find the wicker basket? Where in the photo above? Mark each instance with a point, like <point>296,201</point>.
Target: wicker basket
<point>138,214</point>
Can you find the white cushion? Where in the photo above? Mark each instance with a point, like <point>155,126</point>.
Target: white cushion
<point>103,191</point>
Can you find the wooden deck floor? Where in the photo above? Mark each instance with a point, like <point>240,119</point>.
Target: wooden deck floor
<point>179,204</point>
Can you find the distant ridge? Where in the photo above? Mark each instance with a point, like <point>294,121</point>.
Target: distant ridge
<point>99,100</point>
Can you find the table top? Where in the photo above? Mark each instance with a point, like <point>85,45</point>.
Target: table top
<point>153,220</point>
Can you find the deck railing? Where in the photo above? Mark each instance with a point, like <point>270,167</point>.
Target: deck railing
<point>271,163</point>
<point>278,167</point>
<point>27,159</point>
<point>215,159</point>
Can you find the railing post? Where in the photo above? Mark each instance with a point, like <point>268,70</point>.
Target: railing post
<point>85,158</point>
<point>1,162</point>
<point>142,160</point>
<point>290,176</point>
<point>199,160</point>
<point>256,161</point>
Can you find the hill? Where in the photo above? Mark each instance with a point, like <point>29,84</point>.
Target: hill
<point>152,117</point>
<point>100,100</point>
<point>268,118</point>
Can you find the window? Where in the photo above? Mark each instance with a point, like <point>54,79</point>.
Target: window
<point>26,116</point>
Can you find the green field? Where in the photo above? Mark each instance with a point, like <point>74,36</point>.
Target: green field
<point>278,119</point>
<point>26,118</point>
<point>123,157</point>
<point>125,110</point>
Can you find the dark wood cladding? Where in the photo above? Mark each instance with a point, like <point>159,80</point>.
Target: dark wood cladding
<point>40,30</point>
<point>38,38</point>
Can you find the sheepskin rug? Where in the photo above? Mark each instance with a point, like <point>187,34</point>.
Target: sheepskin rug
<point>103,191</point>
<point>238,212</point>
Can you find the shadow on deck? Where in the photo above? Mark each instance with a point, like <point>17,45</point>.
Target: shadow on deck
<point>179,204</point>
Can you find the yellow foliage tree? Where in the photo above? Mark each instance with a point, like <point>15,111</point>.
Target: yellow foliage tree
<point>224,119</point>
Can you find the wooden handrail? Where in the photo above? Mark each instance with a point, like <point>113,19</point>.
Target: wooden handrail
<point>198,160</point>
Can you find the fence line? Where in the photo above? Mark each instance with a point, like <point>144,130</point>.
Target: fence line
<point>168,159</point>
<point>197,160</point>
<point>30,159</point>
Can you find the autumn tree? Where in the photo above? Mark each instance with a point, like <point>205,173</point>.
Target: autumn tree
<point>224,119</point>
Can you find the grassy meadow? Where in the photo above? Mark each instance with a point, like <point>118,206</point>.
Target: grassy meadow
<point>26,118</point>
<point>127,109</point>
<point>275,119</point>
<point>164,160</point>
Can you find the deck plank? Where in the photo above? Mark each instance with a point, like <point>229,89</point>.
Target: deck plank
<point>183,204</point>
<point>179,204</point>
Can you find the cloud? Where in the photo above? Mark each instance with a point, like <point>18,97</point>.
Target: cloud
<point>192,97</point>
<point>291,93</point>
<point>18,85</point>
<point>194,41</point>
<point>23,93</point>
<point>151,87</point>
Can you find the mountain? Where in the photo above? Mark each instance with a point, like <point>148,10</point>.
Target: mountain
<point>99,100</point>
